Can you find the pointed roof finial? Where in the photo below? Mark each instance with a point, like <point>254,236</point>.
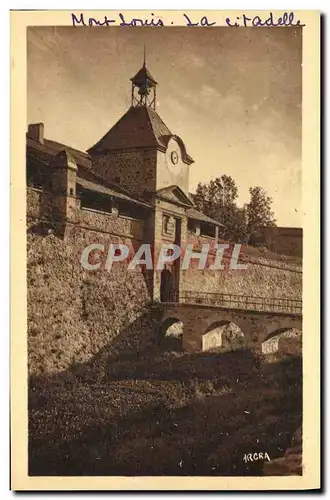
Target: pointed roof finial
<point>144,55</point>
<point>143,76</point>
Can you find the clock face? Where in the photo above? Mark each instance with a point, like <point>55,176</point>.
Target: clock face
<point>174,157</point>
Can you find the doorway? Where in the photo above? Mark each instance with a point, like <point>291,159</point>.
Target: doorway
<point>166,286</point>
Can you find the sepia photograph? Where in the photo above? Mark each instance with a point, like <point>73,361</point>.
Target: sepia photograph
<point>164,251</point>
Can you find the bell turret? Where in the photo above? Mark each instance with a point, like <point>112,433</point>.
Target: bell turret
<point>144,87</point>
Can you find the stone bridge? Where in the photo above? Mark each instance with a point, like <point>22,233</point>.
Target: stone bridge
<point>261,329</point>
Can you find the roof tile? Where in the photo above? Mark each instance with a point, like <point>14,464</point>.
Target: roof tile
<point>138,127</point>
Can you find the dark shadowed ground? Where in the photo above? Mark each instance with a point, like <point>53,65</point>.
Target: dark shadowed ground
<point>173,414</point>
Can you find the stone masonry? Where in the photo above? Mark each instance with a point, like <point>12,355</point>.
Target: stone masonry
<point>256,326</point>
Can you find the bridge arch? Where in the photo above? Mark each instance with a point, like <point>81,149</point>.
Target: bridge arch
<point>170,333</point>
<point>282,323</point>
<point>223,334</point>
<point>285,340</point>
<point>198,320</point>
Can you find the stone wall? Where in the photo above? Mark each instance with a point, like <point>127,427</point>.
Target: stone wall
<point>224,338</point>
<point>256,280</point>
<point>262,277</point>
<point>73,313</point>
<point>134,170</point>
<point>107,223</point>
<point>38,204</point>
<point>198,240</point>
<point>289,342</point>
<point>247,254</point>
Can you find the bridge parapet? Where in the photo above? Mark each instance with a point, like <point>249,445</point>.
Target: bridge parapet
<point>245,302</point>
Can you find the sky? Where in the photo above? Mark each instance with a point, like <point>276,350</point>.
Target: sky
<point>232,95</point>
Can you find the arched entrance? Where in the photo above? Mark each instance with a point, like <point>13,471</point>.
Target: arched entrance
<point>224,335</point>
<point>171,334</point>
<point>166,286</point>
<point>286,341</point>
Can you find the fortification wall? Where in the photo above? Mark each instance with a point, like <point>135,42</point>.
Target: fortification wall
<point>38,203</point>
<point>39,206</point>
<point>256,280</point>
<point>73,313</point>
<point>106,223</point>
<point>262,277</point>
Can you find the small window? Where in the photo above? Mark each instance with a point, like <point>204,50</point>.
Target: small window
<point>207,230</point>
<point>71,191</point>
<point>194,227</point>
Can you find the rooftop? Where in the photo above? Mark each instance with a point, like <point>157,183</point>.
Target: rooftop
<point>139,127</point>
<point>192,213</point>
<point>98,188</point>
<point>47,150</point>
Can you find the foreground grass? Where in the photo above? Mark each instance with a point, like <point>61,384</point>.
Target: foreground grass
<point>169,415</point>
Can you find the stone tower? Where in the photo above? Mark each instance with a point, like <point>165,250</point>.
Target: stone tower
<point>139,152</point>
<point>64,174</point>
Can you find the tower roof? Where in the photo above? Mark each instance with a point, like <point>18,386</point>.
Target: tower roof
<point>143,76</point>
<point>139,127</point>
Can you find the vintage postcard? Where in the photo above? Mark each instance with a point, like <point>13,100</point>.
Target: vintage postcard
<point>165,250</point>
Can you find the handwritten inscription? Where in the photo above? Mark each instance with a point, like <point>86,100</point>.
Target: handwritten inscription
<point>252,457</point>
<point>202,22</point>
<point>191,20</point>
<point>121,21</point>
<point>284,20</point>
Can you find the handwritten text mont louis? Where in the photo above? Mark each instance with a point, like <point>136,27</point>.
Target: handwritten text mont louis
<point>190,20</point>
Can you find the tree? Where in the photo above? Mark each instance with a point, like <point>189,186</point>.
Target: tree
<point>236,228</point>
<point>201,197</point>
<point>218,200</point>
<point>258,212</point>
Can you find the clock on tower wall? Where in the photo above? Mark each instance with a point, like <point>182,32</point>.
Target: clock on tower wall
<point>171,167</point>
<point>173,157</point>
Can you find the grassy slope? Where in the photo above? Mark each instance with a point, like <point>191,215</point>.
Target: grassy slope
<point>169,415</point>
<point>272,257</point>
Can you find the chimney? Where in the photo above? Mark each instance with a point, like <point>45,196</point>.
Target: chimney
<point>36,132</point>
